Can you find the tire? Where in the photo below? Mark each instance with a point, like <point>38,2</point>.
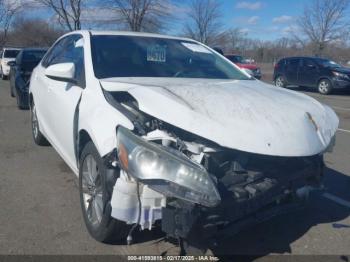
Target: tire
<point>95,198</point>
<point>38,137</point>
<point>19,102</point>
<point>324,87</point>
<point>280,82</point>
<point>11,91</point>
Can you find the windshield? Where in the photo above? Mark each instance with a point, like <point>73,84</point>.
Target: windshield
<point>11,53</point>
<point>136,56</point>
<point>327,63</point>
<point>33,55</point>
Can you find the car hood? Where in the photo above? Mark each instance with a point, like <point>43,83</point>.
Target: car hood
<point>344,70</point>
<point>8,59</point>
<point>246,115</point>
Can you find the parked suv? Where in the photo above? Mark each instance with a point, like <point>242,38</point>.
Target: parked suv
<point>7,55</point>
<point>242,63</point>
<point>321,73</point>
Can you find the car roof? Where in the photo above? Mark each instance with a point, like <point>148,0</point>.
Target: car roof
<point>128,33</point>
<point>302,57</point>
<point>11,48</point>
<point>34,49</point>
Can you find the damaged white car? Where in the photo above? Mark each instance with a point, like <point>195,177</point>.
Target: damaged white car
<point>165,129</point>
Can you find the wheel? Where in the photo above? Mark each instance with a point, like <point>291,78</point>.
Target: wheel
<point>280,81</point>
<point>95,198</point>
<point>11,91</point>
<point>324,87</point>
<point>38,137</point>
<point>20,103</point>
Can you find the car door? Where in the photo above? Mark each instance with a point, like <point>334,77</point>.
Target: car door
<point>308,73</point>
<point>63,98</point>
<point>291,71</point>
<point>40,91</point>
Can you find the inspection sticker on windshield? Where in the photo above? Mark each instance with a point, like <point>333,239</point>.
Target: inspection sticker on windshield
<point>196,48</point>
<point>156,53</point>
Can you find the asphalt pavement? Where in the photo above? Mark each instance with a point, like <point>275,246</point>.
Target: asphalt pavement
<point>40,211</point>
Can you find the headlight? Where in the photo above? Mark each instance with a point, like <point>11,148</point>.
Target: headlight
<point>165,170</point>
<point>340,75</point>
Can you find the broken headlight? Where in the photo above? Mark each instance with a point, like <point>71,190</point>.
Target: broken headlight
<point>165,170</point>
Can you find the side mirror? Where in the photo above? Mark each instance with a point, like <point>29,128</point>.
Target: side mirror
<point>62,72</point>
<point>11,63</point>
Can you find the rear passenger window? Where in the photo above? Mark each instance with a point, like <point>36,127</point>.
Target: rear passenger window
<point>309,63</point>
<point>293,63</point>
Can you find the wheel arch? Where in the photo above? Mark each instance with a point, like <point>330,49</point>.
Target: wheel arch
<point>277,75</point>
<point>322,78</point>
<point>83,139</point>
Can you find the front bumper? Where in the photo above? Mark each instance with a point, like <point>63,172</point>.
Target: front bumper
<point>181,219</point>
<point>5,70</point>
<point>341,83</point>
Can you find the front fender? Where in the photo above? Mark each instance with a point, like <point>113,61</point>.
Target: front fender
<point>99,119</point>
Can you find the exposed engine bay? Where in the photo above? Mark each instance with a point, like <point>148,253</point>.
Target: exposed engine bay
<point>210,187</point>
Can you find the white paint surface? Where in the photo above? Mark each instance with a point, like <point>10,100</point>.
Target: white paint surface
<point>246,115</point>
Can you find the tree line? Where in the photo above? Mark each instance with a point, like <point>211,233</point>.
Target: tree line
<point>321,30</point>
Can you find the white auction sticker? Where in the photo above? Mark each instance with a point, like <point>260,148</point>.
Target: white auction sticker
<point>196,48</point>
<point>156,53</point>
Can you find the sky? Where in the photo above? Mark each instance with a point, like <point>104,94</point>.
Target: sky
<point>265,19</point>
<point>259,19</point>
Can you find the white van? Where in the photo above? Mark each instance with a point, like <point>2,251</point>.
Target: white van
<point>7,55</point>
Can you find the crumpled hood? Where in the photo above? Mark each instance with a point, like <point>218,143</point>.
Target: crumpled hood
<point>246,115</point>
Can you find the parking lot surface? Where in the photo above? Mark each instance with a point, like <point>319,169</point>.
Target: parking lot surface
<point>40,211</point>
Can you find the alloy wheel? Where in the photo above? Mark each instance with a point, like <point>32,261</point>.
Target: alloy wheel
<point>279,82</point>
<point>92,190</point>
<point>323,87</point>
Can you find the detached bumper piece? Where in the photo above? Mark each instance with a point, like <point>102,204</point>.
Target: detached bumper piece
<point>252,188</point>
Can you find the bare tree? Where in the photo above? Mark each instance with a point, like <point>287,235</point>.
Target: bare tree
<point>144,15</point>
<point>67,11</point>
<point>204,21</point>
<point>324,21</point>
<point>7,10</point>
<point>32,32</point>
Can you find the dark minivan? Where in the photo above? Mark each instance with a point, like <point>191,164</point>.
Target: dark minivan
<point>321,73</point>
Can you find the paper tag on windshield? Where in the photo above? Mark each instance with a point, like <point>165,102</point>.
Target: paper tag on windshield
<point>156,53</point>
<point>196,48</point>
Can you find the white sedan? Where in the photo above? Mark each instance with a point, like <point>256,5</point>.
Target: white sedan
<point>165,128</point>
